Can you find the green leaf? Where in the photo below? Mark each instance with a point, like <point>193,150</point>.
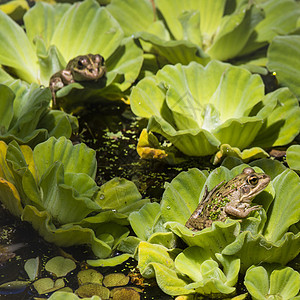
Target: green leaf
<point>58,123</point>
<point>66,236</point>
<point>143,221</point>
<point>139,12</point>
<point>268,281</point>
<point>199,108</point>
<point>95,20</point>
<point>285,205</point>
<point>278,130</point>
<point>70,296</point>
<point>75,159</point>
<point>118,193</point>
<point>207,277</point>
<point>253,249</point>
<point>32,267</point>
<point>245,156</point>
<point>16,50</point>
<point>181,196</point>
<point>64,203</point>
<point>6,109</point>
<point>34,20</point>
<point>47,285</point>
<point>283,58</point>
<point>293,157</point>
<point>235,30</point>
<point>110,262</point>
<point>60,266</point>
<point>154,260</point>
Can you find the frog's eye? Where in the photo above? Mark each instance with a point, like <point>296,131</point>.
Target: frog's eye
<point>253,180</point>
<point>82,62</point>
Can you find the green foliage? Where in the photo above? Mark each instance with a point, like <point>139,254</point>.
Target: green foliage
<point>283,58</point>
<point>272,282</point>
<point>203,30</point>
<point>215,255</point>
<point>53,188</point>
<point>200,108</point>
<point>26,118</point>
<point>293,157</point>
<point>46,47</point>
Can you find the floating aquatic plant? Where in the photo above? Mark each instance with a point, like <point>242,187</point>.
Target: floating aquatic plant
<point>46,47</point>
<point>53,188</point>
<point>272,282</point>
<point>293,157</point>
<point>283,59</point>
<point>232,246</point>
<point>200,108</point>
<point>26,118</point>
<point>204,30</point>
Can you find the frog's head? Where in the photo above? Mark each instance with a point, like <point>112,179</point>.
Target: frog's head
<point>87,67</point>
<point>253,184</point>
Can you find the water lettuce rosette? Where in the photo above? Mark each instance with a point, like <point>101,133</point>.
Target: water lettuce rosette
<point>46,47</point>
<point>53,188</point>
<point>200,108</point>
<point>272,281</point>
<point>202,30</point>
<point>25,116</point>
<point>214,256</point>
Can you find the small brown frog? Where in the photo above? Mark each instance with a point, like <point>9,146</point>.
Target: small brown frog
<point>233,199</point>
<point>88,67</point>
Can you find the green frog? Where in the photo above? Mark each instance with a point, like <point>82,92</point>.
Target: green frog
<point>233,199</point>
<point>88,67</point>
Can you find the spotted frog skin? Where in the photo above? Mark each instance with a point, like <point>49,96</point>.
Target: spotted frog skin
<point>233,199</point>
<point>88,67</point>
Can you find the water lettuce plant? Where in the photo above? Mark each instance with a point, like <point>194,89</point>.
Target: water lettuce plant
<point>272,281</point>
<point>200,108</point>
<point>46,47</point>
<point>53,188</point>
<point>293,157</point>
<point>214,256</point>
<point>283,55</point>
<point>199,31</point>
<point>25,115</point>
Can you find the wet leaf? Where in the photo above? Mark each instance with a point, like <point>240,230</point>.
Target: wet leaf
<point>47,285</point>
<point>70,296</point>
<point>93,289</point>
<point>115,279</point>
<point>125,294</point>
<point>89,276</point>
<point>60,266</point>
<point>32,267</point>
<point>14,285</point>
<point>109,262</point>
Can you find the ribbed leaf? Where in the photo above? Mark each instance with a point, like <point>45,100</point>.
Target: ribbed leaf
<point>284,59</point>
<point>76,159</point>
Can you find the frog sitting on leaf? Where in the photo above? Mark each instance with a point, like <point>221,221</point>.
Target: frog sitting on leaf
<point>232,199</point>
<point>82,68</point>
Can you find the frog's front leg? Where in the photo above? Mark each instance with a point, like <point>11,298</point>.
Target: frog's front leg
<point>58,81</point>
<point>240,211</point>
